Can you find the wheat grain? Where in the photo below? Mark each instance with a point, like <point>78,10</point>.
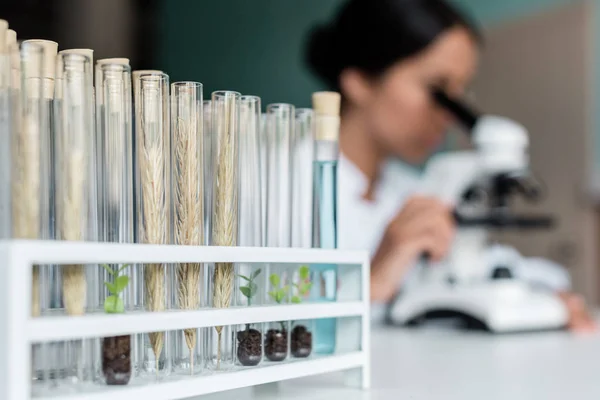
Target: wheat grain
<point>154,209</point>
<point>26,193</point>
<point>188,216</point>
<point>72,214</point>
<point>225,215</point>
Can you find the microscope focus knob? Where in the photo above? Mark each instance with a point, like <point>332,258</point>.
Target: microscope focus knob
<point>502,273</point>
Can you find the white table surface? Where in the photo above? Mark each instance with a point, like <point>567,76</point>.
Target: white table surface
<point>446,364</point>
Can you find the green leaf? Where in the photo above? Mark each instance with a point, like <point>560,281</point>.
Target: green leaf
<point>279,296</point>
<point>122,268</point>
<point>114,305</point>
<point>108,269</point>
<point>246,291</point>
<point>273,295</point>
<point>304,272</point>
<point>296,300</point>
<point>112,288</point>
<point>304,288</point>
<point>244,277</point>
<point>121,283</point>
<point>253,289</point>
<point>275,280</point>
<point>255,274</point>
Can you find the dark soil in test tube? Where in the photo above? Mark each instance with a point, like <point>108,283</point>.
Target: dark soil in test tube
<point>276,343</point>
<point>249,348</point>
<point>116,359</point>
<point>301,342</point>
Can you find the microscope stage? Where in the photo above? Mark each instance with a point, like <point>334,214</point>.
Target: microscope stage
<point>501,306</point>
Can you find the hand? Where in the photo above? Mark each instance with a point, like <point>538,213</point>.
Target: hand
<point>580,319</point>
<point>424,226</point>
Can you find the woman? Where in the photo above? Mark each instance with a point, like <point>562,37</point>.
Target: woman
<point>384,56</point>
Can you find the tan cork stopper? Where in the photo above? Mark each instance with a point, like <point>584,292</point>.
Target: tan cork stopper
<point>326,106</point>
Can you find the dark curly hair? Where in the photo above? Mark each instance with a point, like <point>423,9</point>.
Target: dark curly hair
<point>372,35</point>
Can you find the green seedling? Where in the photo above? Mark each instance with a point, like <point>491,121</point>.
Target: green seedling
<point>278,292</point>
<point>303,286</point>
<point>251,288</point>
<point>113,303</point>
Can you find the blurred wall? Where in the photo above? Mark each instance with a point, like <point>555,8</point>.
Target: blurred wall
<point>255,47</point>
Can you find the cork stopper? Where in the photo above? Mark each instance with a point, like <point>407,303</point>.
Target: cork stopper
<point>3,36</point>
<point>326,106</point>
<point>49,60</point>
<point>121,61</point>
<point>13,48</point>
<point>32,54</point>
<point>89,53</point>
<point>11,39</point>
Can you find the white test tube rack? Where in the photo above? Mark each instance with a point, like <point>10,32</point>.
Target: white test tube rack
<point>19,331</point>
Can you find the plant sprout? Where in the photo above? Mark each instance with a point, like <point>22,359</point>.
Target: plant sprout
<point>250,290</point>
<point>303,286</point>
<point>278,292</point>
<point>113,303</point>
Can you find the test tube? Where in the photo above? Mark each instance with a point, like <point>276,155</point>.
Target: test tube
<point>280,132</point>
<point>26,175</point>
<point>225,223</point>
<point>187,155</point>
<point>153,207</point>
<point>99,121</point>
<point>74,146</point>
<point>5,129</point>
<point>280,135</point>
<point>326,154</point>
<point>114,121</point>
<point>250,174</point>
<point>301,335</point>
<point>250,277</point>
<point>302,162</point>
<point>208,170</point>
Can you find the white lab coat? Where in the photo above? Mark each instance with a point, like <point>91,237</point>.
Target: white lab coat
<point>361,224</point>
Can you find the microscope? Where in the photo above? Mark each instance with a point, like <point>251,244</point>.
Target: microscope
<point>480,185</point>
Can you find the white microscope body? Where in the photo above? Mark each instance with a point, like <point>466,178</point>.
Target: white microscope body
<point>461,285</point>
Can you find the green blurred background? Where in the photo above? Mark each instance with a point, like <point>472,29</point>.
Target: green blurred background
<point>255,47</point>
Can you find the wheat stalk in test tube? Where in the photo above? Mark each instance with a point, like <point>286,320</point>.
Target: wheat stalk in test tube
<point>152,163</point>
<point>72,174</point>
<point>26,194</point>
<point>186,113</point>
<point>225,215</point>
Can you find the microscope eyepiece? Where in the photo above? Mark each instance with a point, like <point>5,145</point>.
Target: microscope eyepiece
<point>460,110</point>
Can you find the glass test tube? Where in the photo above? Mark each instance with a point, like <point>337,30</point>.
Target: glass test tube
<point>74,183</point>
<point>280,135</point>
<point>26,171</point>
<point>5,130</point>
<point>208,170</point>
<point>93,274</point>
<point>44,164</point>
<point>302,162</point>
<point>280,132</point>
<point>99,127</point>
<point>187,166</point>
<point>301,335</point>
<point>153,196</point>
<point>250,277</point>
<point>326,153</point>
<point>225,214</point>
<point>250,174</point>
<point>114,121</point>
